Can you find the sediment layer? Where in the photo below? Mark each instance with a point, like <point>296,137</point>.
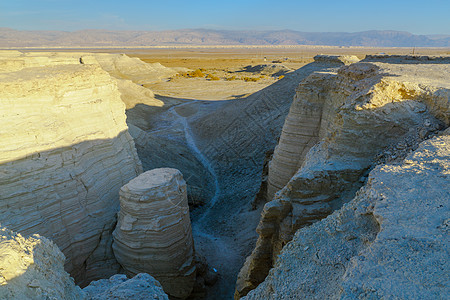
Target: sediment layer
<point>64,155</point>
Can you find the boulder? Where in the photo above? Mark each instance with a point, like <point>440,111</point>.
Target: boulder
<point>141,286</point>
<point>33,268</point>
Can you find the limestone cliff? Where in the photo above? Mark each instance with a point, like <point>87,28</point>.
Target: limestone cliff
<point>65,152</point>
<point>337,129</point>
<point>33,268</point>
<point>153,233</point>
<point>390,242</point>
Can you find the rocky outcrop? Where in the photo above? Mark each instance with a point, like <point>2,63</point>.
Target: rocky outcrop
<point>13,61</point>
<point>300,132</point>
<point>65,152</point>
<point>141,286</point>
<point>390,242</point>
<point>131,68</point>
<point>33,268</point>
<point>336,130</point>
<point>153,233</point>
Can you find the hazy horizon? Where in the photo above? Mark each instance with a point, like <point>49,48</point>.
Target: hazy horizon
<point>321,16</point>
<point>211,29</point>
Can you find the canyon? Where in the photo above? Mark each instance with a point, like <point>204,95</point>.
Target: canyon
<point>325,181</point>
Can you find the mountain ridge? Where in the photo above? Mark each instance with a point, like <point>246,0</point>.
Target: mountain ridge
<point>101,37</point>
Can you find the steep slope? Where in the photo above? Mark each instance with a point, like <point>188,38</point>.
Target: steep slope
<point>336,130</point>
<point>390,242</point>
<point>65,152</point>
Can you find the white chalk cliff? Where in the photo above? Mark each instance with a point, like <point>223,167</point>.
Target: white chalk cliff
<point>390,242</point>
<point>340,125</point>
<point>153,233</point>
<point>65,152</point>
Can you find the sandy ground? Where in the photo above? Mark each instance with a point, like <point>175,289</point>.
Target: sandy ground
<point>227,62</point>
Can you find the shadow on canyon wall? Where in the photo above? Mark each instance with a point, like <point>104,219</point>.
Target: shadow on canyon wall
<point>71,196</point>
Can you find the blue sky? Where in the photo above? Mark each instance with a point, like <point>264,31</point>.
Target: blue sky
<point>419,17</point>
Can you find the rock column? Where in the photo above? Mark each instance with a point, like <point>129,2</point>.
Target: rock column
<point>153,234</point>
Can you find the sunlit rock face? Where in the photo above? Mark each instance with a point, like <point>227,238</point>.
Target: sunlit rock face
<point>389,242</point>
<point>65,151</point>
<point>33,268</point>
<point>153,233</point>
<point>339,126</point>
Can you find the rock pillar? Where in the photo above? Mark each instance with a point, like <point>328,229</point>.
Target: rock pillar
<point>153,234</point>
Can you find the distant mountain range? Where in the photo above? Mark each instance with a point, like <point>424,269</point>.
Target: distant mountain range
<point>104,38</point>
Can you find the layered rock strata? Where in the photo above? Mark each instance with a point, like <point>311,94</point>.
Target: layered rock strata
<point>390,242</point>
<point>153,233</point>
<point>65,152</point>
<point>336,129</point>
<point>33,268</point>
<point>141,286</point>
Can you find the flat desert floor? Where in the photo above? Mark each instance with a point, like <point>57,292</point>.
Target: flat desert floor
<point>236,71</point>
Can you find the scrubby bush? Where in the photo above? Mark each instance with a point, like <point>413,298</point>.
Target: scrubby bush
<point>252,79</point>
<point>197,73</point>
<point>212,77</point>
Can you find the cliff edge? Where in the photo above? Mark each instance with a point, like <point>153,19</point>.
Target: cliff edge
<point>65,152</point>
<point>339,127</point>
<point>390,241</point>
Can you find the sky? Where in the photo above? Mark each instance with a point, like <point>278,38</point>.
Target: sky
<point>418,17</point>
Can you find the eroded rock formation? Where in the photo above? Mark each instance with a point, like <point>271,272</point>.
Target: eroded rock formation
<point>33,268</point>
<point>65,152</point>
<point>153,233</point>
<point>141,286</point>
<point>336,130</point>
<point>390,242</point>
<point>132,68</point>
